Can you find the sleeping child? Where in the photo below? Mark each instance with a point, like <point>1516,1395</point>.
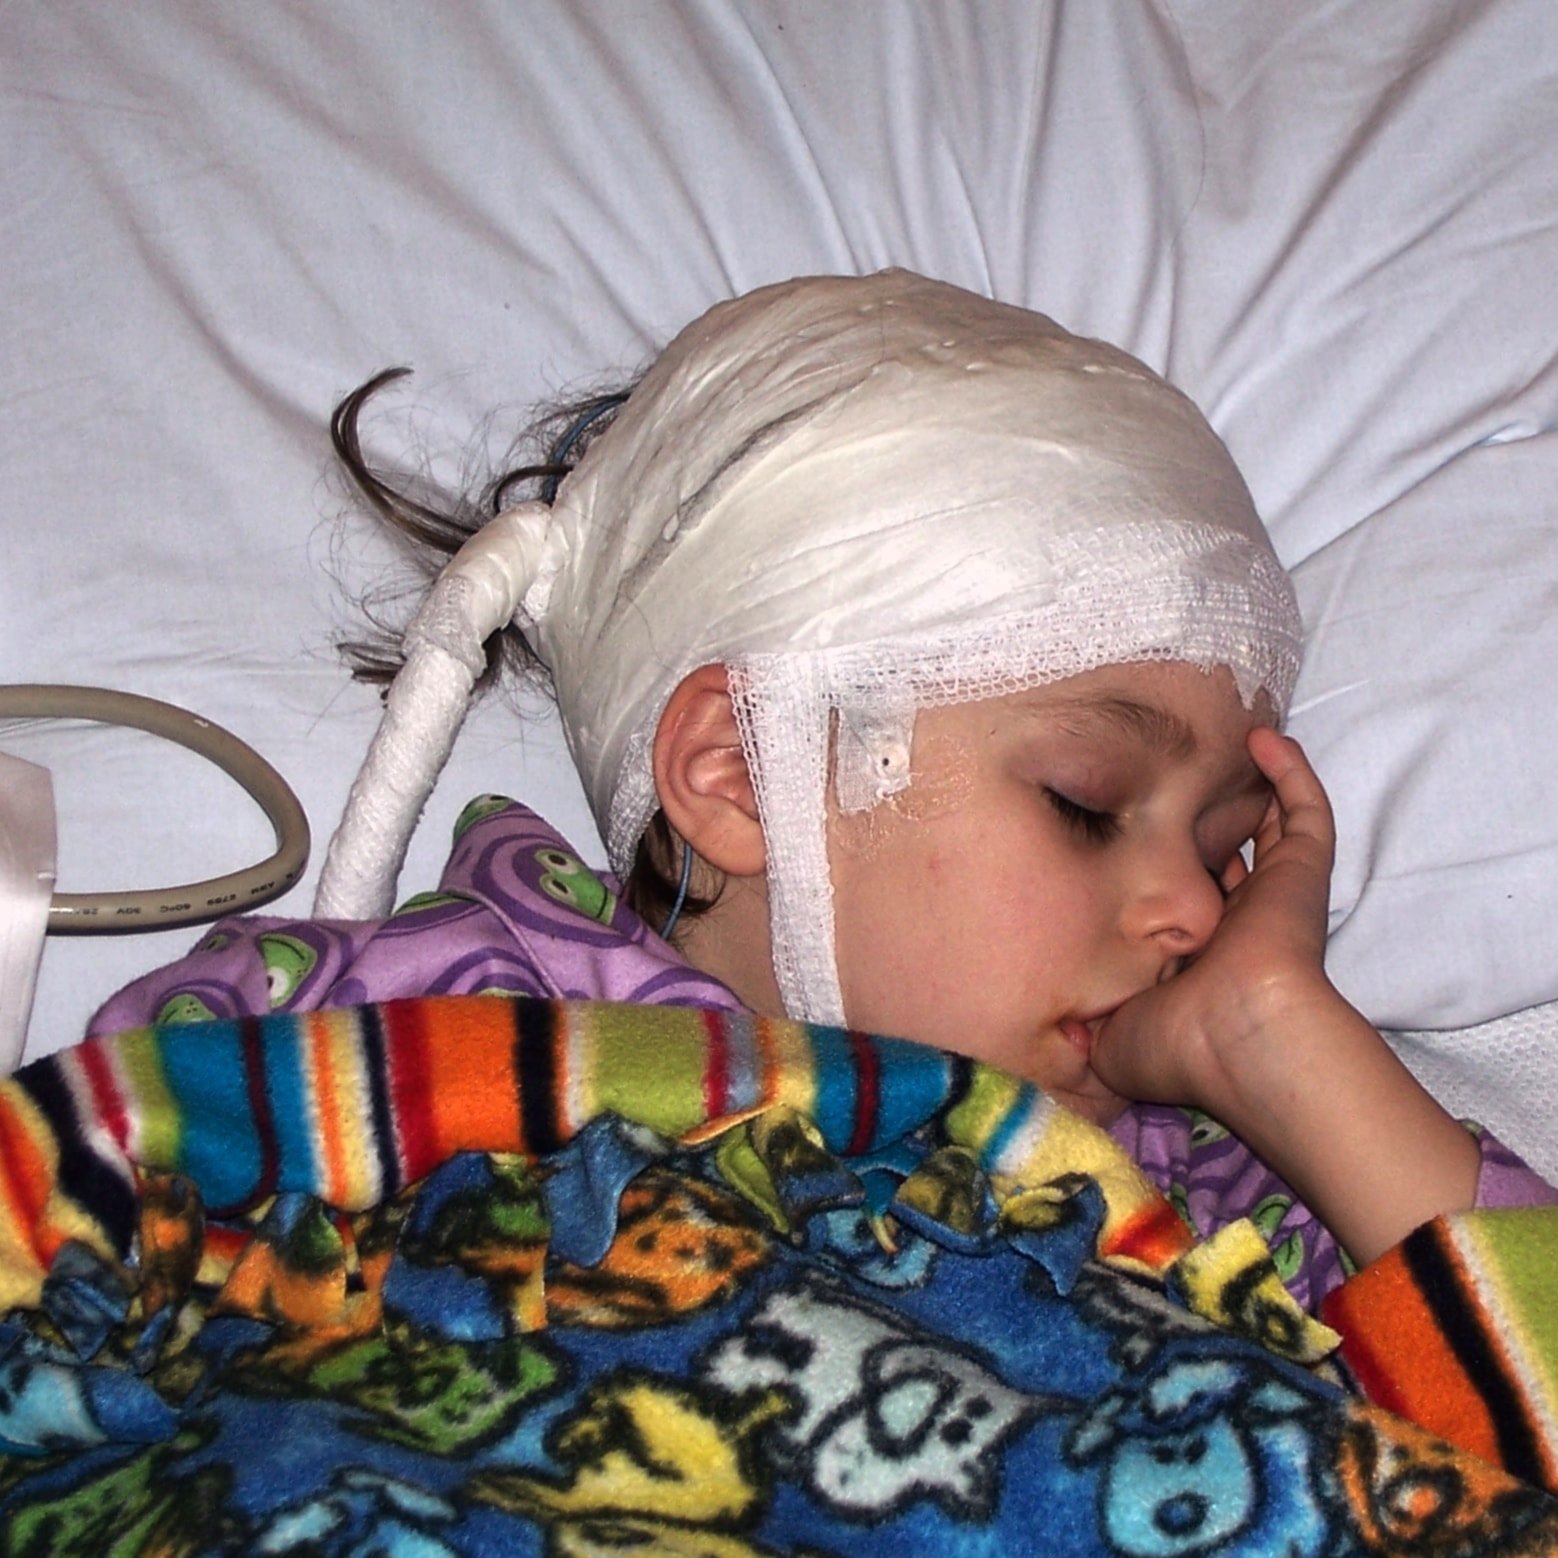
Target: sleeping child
<point>925,667</point>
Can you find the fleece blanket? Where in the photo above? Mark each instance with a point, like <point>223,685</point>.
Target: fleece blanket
<point>489,1275</point>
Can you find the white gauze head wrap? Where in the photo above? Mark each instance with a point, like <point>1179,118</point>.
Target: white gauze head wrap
<point>866,496</point>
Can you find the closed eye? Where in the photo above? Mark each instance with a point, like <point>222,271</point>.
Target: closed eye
<point>1097,827</point>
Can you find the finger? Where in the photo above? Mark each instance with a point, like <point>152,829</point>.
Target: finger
<point>1304,807</point>
<point>1269,834</point>
<point>1232,874</point>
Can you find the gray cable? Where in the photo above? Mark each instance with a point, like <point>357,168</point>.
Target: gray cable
<point>195,902</point>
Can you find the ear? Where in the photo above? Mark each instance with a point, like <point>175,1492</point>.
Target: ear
<point>701,775</point>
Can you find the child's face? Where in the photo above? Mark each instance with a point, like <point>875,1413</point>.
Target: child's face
<point>1057,852</point>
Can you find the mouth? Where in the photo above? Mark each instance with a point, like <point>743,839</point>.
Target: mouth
<point>1080,1032</point>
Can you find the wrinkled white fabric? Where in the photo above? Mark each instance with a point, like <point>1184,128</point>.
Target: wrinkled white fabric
<point>870,495</point>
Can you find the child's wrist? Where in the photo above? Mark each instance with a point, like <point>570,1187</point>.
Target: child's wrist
<point>1320,1097</point>
<point>1281,1030</point>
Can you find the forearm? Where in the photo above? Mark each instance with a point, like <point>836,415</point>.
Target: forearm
<point>1333,1111</point>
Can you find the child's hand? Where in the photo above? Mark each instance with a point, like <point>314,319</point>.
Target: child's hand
<point>1192,1038</point>
<point>1253,1032</point>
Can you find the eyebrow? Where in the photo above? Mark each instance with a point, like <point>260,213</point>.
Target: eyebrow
<point>1158,729</point>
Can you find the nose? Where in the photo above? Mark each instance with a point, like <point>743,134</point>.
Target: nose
<point>1176,906</point>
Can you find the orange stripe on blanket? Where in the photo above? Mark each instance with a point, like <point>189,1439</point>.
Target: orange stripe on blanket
<point>330,1151</point>
<point>26,1176</point>
<point>1393,1344</point>
<point>1155,1235</point>
<point>37,1217</point>
<point>473,1092</point>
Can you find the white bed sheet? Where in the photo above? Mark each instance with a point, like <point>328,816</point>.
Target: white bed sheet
<point>1336,226</point>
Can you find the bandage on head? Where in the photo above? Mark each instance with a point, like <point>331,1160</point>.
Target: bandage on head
<point>868,496</point>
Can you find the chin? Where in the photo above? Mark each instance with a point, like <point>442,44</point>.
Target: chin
<point>1102,1112</point>
<point>1055,1066</point>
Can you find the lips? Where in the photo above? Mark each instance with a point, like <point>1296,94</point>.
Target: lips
<point>1079,1032</point>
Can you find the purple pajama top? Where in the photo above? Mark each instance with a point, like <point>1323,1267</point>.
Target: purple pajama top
<point>518,911</point>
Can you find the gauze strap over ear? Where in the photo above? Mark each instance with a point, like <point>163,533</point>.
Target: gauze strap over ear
<point>503,572</point>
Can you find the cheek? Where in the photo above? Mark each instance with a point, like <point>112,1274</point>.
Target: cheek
<point>902,890</point>
<point>943,867</point>
<point>880,892</point>
<point>981,885</point>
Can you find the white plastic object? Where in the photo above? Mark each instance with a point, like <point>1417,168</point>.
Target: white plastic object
<point>190,903</point>
<point>27,866</point>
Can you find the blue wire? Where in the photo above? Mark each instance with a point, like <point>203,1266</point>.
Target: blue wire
<point>572,436</point>
<point>681,894</point>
